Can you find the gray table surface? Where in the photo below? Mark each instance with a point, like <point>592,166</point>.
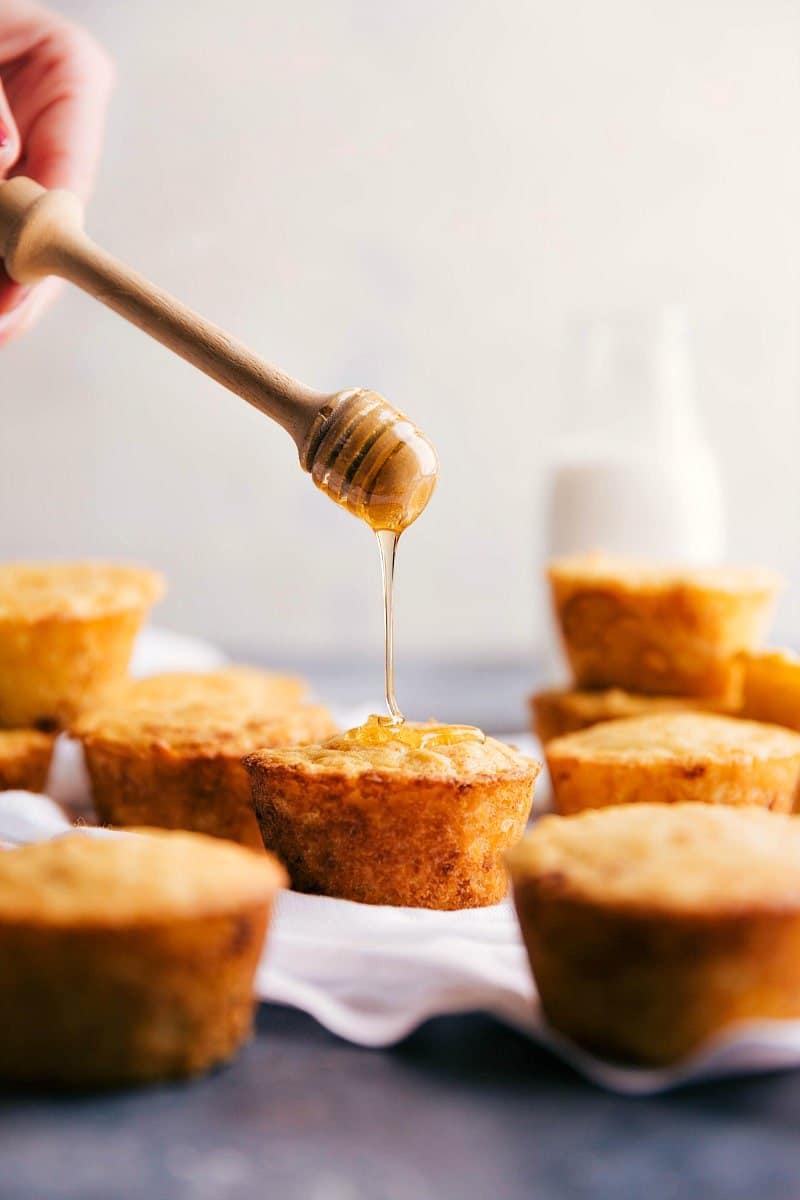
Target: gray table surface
<point>463,1108</point>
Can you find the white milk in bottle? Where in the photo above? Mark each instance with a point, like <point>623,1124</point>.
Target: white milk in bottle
<point>633,473</point>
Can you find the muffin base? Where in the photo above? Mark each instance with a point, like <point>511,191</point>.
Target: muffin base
<point>162,787</point>
<point>772,689</point>
<point>651,988</point>
<point>53,669</point>
<point>25,757</point>
<point>101,1007</point>
<point>680,640</point>
<point>413,842</point>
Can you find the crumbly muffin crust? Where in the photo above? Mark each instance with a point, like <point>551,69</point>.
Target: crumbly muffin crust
<point>639,574</point>
<point>46,591</point>
<point>654,630</point>
<point>466,760</point>
<point>205,729</point>
<point>674,757</point>
<point>652,928</point>
<point>679,736</point>
<point>181,768</point>
<point>684,858</point>
<point>556,711</point>
<point>394,824</point>
<point>150,943</point>
<point>132,878</point>
<point>236,685</point>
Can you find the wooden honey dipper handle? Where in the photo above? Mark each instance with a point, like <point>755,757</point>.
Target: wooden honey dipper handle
<point>358,449</point>
<point>41,233</point>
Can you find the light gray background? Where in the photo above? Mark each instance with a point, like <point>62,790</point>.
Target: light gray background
<point>414,196</point>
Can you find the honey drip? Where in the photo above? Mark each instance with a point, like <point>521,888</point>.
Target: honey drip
<point>387,544</point>
<point>382,731</point>
<point>370,459</point>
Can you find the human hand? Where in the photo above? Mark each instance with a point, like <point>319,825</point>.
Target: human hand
<point>55,81</point>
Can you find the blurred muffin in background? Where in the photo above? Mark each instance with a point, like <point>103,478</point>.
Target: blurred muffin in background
<point>652,629</point>
<point>671,757</point>
<point>25,756</point>
<point>66,635</point>
<point>168,752</point>
<point>235,684</point>
<point>556,711</point>
<point>134,956</point>
<point>771,687</point>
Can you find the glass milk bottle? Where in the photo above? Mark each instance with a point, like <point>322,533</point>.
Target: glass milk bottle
<point>632,472</point>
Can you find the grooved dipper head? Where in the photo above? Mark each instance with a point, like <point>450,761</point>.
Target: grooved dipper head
<point>371,459</point>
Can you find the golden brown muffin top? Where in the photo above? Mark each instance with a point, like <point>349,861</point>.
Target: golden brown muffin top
<point>413,750</point>
<point>677,737</point>
<point>38,591</point>
<point>204,729</point>
<point>131,878</point>
<point>263,690</point>
<point>612,704</point>
<point>674,857</point>
<point>19,741</point>
<point>639,574</point>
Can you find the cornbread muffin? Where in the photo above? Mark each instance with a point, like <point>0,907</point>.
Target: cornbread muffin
<point>265,691</point>
<point>651,629</point>
<point>410,814</point>
<point>133,956</point>
<point>561,710</point>
<point>25,756</point>
<point>181,767</point>
<point>675,757</point>
<point>66,634</point>
<point>772,687</point>
<point>652,928</point>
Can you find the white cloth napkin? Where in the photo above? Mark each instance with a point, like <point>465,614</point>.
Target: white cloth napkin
<point>372,974</point>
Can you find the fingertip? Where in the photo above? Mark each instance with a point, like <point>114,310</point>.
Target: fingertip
<point>9,136</point>
<point>86,55</point>
<point>9,146</point>
<point>63,145</point>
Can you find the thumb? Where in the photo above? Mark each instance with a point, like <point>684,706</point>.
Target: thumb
<point>9,136</point>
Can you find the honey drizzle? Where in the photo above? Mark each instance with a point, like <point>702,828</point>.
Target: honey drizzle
<point>381,731</point>
<point>387,545</point>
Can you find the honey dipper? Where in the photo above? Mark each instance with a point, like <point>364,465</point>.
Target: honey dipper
<point>360,450</point>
